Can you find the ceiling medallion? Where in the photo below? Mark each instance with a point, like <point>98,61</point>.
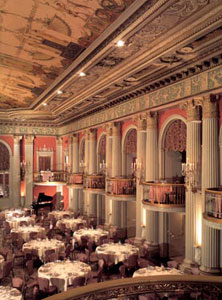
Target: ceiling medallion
<point>185,50</point>
<point>170,59</point>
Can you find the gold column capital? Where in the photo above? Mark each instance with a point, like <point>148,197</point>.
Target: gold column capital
<point>116,128</point>
<point>92,134</point>
<point>29,139</point>
<point>17,139</point>
<point>210,106</point>
<point>75,138</point>
<point>59,140</point>
<point>193,109</point>
<point>141,121</point>
<point>151,120</point>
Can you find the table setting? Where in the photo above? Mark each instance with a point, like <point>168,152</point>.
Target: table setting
<point>71,223</point>
<point>60,214</point>
<point>24,231</point>
<point>153,271</point>
<point>15,222</point>
<point>66,271</point>
<point>10,293</point>
<point>92,234</point>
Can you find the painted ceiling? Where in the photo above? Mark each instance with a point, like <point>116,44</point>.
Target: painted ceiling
<point>45,45</point>
<point>41,38</point>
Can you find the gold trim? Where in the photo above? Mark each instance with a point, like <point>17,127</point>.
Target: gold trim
<point>92,189</point>
<point>213,192</point>
<point>162,184</point>
<point>121,195</point>
<point>163,205</point>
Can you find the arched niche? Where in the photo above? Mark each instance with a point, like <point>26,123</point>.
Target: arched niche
<point>101,151</point>
<point>129,150</point>
<point>82,150</point>
<point>172,148</point>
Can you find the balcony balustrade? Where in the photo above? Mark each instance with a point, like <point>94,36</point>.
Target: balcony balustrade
<point>50,176</point>
<point>121,186</point>
<point>213,205</point>
<point>94,182</point>
<point>149,287</point>
<point>171,195</point>
<point>75,179</point>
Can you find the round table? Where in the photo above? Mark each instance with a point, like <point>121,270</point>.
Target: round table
<point>71,223</point>
<point>14,213</point>
<point>92,234</point>
<point>116,252</point>
<point>60,214</point>
<point>40,246</point>
<point>152,271</point>
<point>15,222</point>
<point>24,231</point>
<point>65,270</point>
<point>7,292</point>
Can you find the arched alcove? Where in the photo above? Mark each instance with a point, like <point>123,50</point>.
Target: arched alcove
<point>4,170</point>
<point>101,151</point>
<point>129,151</point>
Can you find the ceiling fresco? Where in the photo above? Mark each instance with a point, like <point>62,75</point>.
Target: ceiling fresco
<point>43,44</point>
<point>41,38</point>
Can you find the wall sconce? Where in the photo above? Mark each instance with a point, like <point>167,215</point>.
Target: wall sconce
<point>137,170</point>
<point>189,170</point>
<point>82,166</point>
<point>103,167</point>
<point>22,170</point>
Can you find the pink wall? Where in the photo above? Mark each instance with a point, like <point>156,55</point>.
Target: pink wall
<point>163,116</point>
<point>100,131</point>
<point>65,147</point>
<point>9,141</point>
<point>81,136</point>
<point>48,190</point>
<point>126,124</point>
<point>65,197</point>
<point>48,142</point>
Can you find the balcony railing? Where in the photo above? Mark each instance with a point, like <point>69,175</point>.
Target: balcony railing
<point>157,287</point>
<point>75,178</point>
<point>121,186</point>
<point>94,182</point>
<point>213,203</point>
<point>50,176</point>
<point>171,194</point>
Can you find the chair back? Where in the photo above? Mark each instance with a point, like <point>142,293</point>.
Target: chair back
<point>43,284</point>
<point>84,241</point>
<point>53,257</point>
<point>48,252</point>
<point>29,266</point>
<point>131,262</point>
<point>33,235</point>
<point>18,283</point>
<point>7,268</point>
<point>23,223</point>
<point>79,281</point>
<point>122,271</point>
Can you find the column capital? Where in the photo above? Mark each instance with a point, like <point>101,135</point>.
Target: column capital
<point>116,128</point>
<point>70,139</point>
<point>17,139</point>
<point>141,121</point>
<point>193,110</point>
<point>59,140</point>
<point>75,138</point>
<point>210,106</point>
<point>92,134</point>
<point>29,139</point>
<point>86,134</point>
<point>151,120</point>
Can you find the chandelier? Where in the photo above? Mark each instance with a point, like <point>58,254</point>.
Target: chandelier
<point>137,170</point>
<point>189,171</point>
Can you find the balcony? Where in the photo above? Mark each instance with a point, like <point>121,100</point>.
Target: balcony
<point>95,183</point>
<point>75,180</point>
<point>150,287</point>
<point>164,197</point>
<point>50,178</point>
<point>121,188</point>
<point>213,208</point>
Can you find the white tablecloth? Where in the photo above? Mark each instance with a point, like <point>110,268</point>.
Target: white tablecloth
<point>116,252</point>
<point>13,213</point>
<point>66,270</point>
<point>7,292</point>
<point>59,214</point>
<point>152,271</point>
<point>42,245</point>
<point>71,223</point>
<point>93,234</point>
<point>14,222</point>
<point>25,231</point>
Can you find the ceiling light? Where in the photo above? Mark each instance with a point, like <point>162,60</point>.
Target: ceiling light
<point>81,74</point>
<point>45,104</point>
<point>59,92</point>
<point>120,43</point>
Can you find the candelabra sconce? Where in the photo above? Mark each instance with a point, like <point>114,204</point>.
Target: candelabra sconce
<point>189,171</point>
<point>82,166</point>
<point>103,167</point>
<point>137,170</point>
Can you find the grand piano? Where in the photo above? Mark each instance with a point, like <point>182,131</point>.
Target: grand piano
<point>47,202</point>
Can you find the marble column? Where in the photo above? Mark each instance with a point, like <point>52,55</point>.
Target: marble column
<point>92,198</point>
<point>74,193</point>
<point>108,205</point>
<point>141,160</point>
<point>86,152</point>
<point>70,153</point>
<point>59,154</point>
<point>210,257</point>
<point>193,155</point>
<point>16,173</point>
<point>151,174</point>
<point>117,207</point>
<point>29,170</point>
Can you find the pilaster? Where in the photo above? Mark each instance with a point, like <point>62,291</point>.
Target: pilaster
<point>59,153</point>
<point>29,169</point>
<point>16,172</point>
